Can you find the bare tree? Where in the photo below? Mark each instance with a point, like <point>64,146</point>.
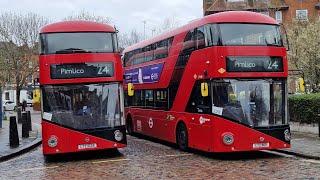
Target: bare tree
<point>167,24</point>
<point>86,16</point>
<point>304,55</point>
<point>126,40</point>
<point>19,47</point>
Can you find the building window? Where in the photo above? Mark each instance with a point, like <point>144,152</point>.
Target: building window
<point>279,16</point>
<point>265,13</point>
<point>302,15</point>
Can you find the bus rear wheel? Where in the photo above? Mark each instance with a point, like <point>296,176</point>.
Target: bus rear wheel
<point>182,136</point>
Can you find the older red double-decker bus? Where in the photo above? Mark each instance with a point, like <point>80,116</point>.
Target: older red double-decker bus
<point>81,79</point>
<point>217,84</point>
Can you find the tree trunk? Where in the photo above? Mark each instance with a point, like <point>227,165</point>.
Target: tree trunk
<point>18,96</point>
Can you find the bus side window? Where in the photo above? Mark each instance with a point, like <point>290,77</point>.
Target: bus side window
<point>200,38</point>
<point>161,99</point>
<point>189,43</point>
<point>212,34</point>
<point>149,100</point>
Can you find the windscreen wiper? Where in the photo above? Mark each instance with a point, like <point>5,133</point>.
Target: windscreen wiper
<point>72,50</point>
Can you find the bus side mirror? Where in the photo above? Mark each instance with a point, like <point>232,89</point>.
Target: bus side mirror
<point>204,89</point>
<point>130,89</point>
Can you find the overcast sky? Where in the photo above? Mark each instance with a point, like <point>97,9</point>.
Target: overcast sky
<point>125,14</point>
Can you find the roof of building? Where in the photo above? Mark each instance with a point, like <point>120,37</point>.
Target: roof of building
<point>223,5</point>
<point>77,26</point>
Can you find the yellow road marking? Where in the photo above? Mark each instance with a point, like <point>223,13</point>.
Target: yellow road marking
<point>112,160</point>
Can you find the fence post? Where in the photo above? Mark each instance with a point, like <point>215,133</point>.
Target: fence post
<point>13,134</point>
<point>1,113</point>
<point>319,125</point>
<point>29,120</point>
<point>25,128</point>
<point>19,115</point>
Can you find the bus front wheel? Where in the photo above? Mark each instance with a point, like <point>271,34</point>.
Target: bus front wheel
<point>182,136</point>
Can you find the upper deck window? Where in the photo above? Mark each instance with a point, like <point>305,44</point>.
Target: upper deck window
<point>234,34</point>
<point>84,42</point>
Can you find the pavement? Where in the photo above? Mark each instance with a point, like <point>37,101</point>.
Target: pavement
<point>25,144</point>
<point>306,145</point>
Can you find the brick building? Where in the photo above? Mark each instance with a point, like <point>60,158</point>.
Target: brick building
<point>284,11</point>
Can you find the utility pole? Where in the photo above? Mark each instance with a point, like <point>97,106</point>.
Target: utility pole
<point>144,29</point>
<point>153,31</point>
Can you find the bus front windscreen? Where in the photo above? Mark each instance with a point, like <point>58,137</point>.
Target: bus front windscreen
<point>84,42</point>
<point>256,102</point>
<point>235,34</point>
<point>83,106</point>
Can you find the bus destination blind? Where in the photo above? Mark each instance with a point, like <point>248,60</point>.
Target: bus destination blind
<point>254,64</point>
<point>81,70</point>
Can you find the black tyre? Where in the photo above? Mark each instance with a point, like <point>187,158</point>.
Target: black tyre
<point>182,137</point>
<point>129,126</point>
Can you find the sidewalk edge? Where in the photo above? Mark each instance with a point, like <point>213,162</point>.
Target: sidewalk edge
<point>306,156</point>
<point>26,149</point>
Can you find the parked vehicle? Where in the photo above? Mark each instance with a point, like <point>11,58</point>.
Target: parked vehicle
<point>81,79</point>
<point>9,105</point>
<point>9,99</point>
<point>217,84</point>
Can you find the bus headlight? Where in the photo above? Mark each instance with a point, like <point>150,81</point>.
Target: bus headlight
<point>287,135</point>
<point>53,141</point>
<point>227,138</point>
<point>118,135</point>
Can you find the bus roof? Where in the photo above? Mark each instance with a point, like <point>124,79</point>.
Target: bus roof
<point>76,26</point>
<point>223,17</point>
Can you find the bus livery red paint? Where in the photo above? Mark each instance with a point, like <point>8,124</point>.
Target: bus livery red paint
<point>81,79</point>
<point>217,84</point>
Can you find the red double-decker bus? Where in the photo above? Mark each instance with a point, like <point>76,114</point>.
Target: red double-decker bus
<point>81,79</point>
<point>217,84</point>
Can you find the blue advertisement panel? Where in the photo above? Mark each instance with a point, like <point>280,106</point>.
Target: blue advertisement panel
<point>147,74</point>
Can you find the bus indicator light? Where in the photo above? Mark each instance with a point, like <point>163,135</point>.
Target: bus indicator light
<point>221,70</point>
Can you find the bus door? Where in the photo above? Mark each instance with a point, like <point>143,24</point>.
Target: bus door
<point>139,120</point>
<point>163,126</point>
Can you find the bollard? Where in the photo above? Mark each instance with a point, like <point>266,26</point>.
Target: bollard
<point>25,128</point>
<point>13,135</point>
<point>19,115</point>
<point>29,120</point>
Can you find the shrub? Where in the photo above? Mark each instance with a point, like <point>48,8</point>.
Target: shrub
<point>304,108</point>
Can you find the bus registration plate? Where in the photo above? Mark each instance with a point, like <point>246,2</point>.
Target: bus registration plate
<point>87,146</point>
<point>260,145</point>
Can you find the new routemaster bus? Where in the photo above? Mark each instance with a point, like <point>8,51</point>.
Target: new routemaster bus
<point>81,79</point>
<point>217,84</point>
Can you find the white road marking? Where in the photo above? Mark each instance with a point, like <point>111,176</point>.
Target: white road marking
<point>175,155</point>
<point>38,168</point>
<point>279,154</point>
<point>112,160</point>
<point>311,161</point>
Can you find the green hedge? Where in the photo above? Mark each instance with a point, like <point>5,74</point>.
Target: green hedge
<point>304,108</point>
